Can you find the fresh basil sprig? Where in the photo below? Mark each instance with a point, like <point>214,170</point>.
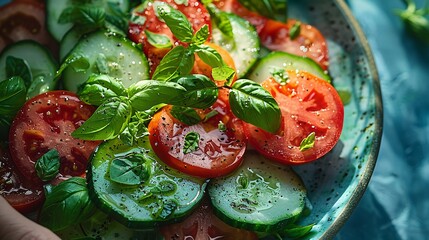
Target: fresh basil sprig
<point>416,20</point>
<point>253,104</point>
<point>100,87</point>
<point>17,67</point>
<point>67,204</point>
<point>274,9</point>
<point>179,61</point>
<point>107,122</point>
<point>13,95</point>
<point>48,166</point>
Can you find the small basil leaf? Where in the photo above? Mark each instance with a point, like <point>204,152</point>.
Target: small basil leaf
<point>345,95</point>
<point>191,142</point>
<point>48,166</point>
<point>68,204</point>
<point>209,55</point>
<point>83,15</point>
<point>178,62</point>
<point>158,40</point>
<point>18,67</point>
<point>296,231</point>
<point>98,88</point>
<point>223,73</point>
<point>186,115</point>
<point>253,104</point>
<point>107,122</point>
<point>77,62</point>
<point>12,96</point>
<point>295,30</point>
<point>147,93</point>
<point>129,169</point>
<point>201,35</point>
<point>201,92</point>
<point>307,142</point>
<point>175,20</point>
<point>221,20</point>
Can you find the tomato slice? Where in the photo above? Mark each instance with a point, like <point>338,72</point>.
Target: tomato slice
<point>275,35</point>
<point>24,19</point>
<point>194,10</point>
<point>22,195</point>
<point>219,151</point>
<point>46,122</point>
<point>308,104</point>
<point>203,224</point>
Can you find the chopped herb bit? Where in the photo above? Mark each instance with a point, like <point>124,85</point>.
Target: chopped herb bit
<point>295,30</point>
<point>307,142</point>
<point>191,142</point>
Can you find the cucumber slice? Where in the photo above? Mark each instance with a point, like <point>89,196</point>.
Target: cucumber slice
<point>260,196</point>
<point>69,41</point>
<point>244,47</point>
<point>166,196</point>
<point>54,9</point>
<point>275,61</point>
<point>40,61</point>
<point>104,52</point>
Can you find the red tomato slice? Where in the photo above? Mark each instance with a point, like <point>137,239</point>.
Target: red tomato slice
<point>219,152</point>
<point>203,224</point>
<point>46,122</point>
<point>23,196</point>
<point>24,19</point>
<point>194,10</point>
<point>275,36</point>
<point>308,104</point>
<point>310,42</point>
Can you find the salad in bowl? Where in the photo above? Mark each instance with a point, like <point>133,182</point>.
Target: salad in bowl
<point>168,119</point>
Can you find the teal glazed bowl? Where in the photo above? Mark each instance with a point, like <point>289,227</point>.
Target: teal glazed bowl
<point>337,182</point>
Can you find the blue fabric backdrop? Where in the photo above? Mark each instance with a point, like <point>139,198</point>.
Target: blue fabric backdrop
<point>396,205</point>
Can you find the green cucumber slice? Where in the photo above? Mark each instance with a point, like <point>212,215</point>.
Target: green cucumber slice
<point>259,196</point>
<point>244,47</point>
<point>103,52</point>
<point>42,65</point>
<point>275,61</point>
<point>147,204</point>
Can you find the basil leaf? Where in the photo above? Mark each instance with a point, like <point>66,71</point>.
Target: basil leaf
<point>158,40</point>
<point>186,115</point>
<point>345,95</point>
<point>201,92</point>
<point>77,62</point>
<point>181,2</point>
<point>295,30</point>
<point>12,96</point>
<point>307,142</point>
<point>191,142</point>
<point>296,231</point>
<point>48,166</point>
<point>201,35</point>
<point>253,104</point>
<point>83,15</point>
<point>178,62</point>
<point>147,93</point>
<point>98,88</point>
<point>223,73</point>
<point>209,56</point>
<point>18,67</point>
<point>175,20</point>
<point>221,20</point>
<point>273,9</point>
<point>107,122</point>
<point>68,204</point>
<point>129,169</point>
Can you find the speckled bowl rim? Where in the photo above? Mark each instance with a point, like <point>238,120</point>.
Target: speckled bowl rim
<point>378,129</point>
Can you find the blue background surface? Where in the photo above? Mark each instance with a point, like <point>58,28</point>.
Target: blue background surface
<point>396,204</point>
